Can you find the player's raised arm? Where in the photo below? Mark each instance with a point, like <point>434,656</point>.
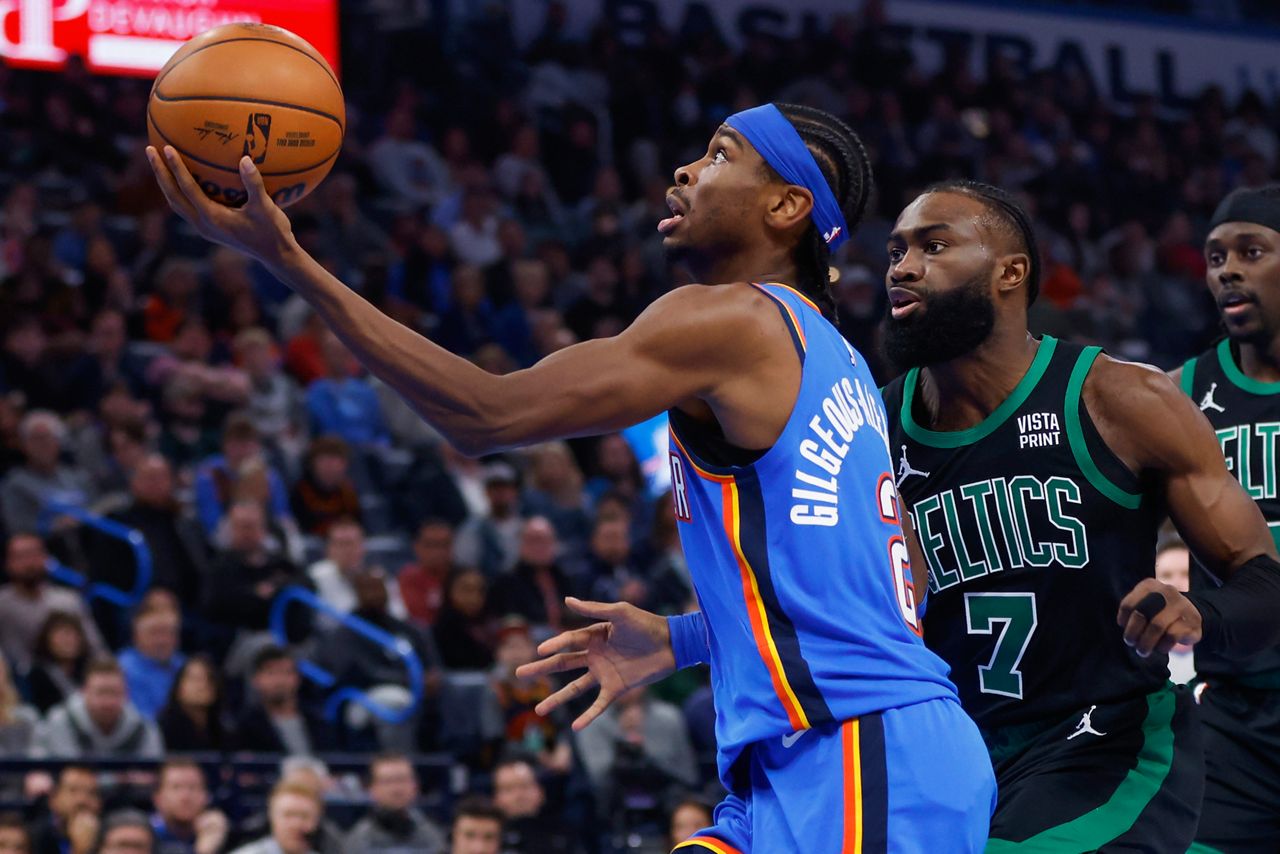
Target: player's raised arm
<point>681,347</point>
<point>1155,428</point>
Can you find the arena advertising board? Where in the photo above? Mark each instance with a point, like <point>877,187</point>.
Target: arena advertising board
<point>137,37</point>
<point>1123,55</point>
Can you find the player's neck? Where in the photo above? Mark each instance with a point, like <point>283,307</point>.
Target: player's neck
<point>763,265</point>
<point>961,393</point>
<point>1261,362</point>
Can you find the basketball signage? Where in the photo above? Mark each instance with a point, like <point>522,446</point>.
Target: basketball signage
<point>137,37</point>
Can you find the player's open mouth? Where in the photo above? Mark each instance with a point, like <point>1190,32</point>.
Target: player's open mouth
<point>1235,302</point>
<point>902,302</point>
<point>668,225</point>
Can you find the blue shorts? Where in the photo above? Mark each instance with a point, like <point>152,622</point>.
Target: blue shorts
<point>914,779</point>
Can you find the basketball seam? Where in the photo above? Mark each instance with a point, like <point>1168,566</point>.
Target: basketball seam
<point>234,100</point>
<point>323,66</point>
<point>212,165</point>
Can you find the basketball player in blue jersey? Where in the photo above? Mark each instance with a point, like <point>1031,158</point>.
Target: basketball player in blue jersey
<point>838,731</point>
<point>1036,473</point>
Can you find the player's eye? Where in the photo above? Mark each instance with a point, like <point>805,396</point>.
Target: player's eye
<point>895,254</point>
<point>933,247</point>
<point>1215,259</point>
<point>719,156</point>
<point>1254,252</point>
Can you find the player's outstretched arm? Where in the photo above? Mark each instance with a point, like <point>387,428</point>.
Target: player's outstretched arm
<point>1158,431</point>
<point>683,346</point>
<point>628,647</point>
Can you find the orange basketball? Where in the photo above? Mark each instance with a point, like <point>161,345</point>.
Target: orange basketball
<point>249,89</point>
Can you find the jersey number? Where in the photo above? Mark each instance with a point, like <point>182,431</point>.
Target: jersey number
<point>899,558</point>
<point>1016,612</point>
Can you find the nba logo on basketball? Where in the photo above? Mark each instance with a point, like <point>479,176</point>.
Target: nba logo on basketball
<point>678,495</point>
<point>259,123</point>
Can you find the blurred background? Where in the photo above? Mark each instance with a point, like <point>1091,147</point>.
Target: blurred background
<point>224,541</point>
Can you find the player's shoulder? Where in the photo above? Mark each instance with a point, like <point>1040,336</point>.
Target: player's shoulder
<point>1120,383</point>
<point>1138,408</point>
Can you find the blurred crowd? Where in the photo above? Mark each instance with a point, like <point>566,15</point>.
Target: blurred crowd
<point>502,201</point>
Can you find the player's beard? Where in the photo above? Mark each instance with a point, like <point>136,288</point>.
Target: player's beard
<point>950,325</point>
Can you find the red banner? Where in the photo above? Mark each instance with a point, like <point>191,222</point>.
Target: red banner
<point>137,37</point>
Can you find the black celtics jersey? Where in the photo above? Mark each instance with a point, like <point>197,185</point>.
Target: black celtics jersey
<point>1033,531</point>
<point>1246,415</point>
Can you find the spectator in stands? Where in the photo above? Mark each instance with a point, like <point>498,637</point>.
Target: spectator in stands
<point>688,817</point>
<point>295,811</point>
<point>468,323</point>
<point>245,578</point>
<point>187,437</point>
<point>325,493</point>
<point>173,302</point>
<point>98,720</point>
<point>179,557</point>
<point>28,599</point>
<point>491,542</point>
<point>358,661</point>
<point>422,581</point>
<point>477,827</point>
<point>60,656</point>
<point>393,823</point>
<point>275,401</point>
<point>638,746</point>
<point>334,577</point>
<point>41,478</point>
<point>462,629</point>
<point>194,716</point>
<point>216,478</point>
<point>14,837</point>
<point>556,492</point>
<point>182,820</point>
<point>519,796</point>
<point>18,721</point>
<point>536,587</point>
<point>126,832</point>
<point>274,721</point>
<point>406,167</point>
<point>670,586</point>
<point>343,404</point>
<point>615,575</point>
<point>152,663</point>
<point>541,737</point>
<point>69,822</point>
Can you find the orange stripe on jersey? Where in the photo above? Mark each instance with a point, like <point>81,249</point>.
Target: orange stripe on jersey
<point>811,303</point>
<point>703,473</point>
<point>755,610</point>
<point>708,842</point>
<point>850,749</point>
<point>795,322</point>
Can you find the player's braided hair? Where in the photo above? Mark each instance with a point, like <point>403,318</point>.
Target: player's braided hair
<point>1010,215</point>
<point>843,161</point>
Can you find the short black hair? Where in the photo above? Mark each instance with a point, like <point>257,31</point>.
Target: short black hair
<point>269,654</point>
<point>1009,214</point>
<point>477,806</point>
<point>843,161</point>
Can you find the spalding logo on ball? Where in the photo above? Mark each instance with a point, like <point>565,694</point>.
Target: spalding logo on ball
<point>255,90</point>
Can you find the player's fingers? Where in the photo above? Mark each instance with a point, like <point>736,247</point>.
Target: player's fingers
<point>598,610</point>
<point>195,197</point>
<point>1155,631</point>
<point>554,664</point>
<point>574,689</point>
<point>1145,598</point>
<point>603,701</point>
<point>253,185</point>
<point>164,178</point>
<point>1134,628</point>
<point>573,640</point>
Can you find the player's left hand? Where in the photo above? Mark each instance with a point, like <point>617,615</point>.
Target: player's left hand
<point>258,227</point>
<point>1147,629</point>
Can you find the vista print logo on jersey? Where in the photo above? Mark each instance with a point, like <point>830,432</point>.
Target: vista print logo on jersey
<point>1039,430</point>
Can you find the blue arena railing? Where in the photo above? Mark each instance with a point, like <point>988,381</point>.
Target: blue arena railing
<point>326,680</point>
<point>127,599</point>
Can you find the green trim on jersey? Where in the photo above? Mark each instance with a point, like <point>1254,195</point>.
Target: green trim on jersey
<point>1238,377</point>
<point>1201,848</point>
<point>988,425</point>
<point>1188,375</point>
<point>1114,818</point>
<point>1075,435</point>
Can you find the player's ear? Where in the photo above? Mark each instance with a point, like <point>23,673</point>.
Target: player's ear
<point>1014,269</point>
<point>789,206</point>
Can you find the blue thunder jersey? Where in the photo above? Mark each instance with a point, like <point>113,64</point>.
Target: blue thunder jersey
<point>798,559</point>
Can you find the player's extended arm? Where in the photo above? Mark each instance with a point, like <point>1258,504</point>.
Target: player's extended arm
<point>1158,431</point>
<point>678,349</point>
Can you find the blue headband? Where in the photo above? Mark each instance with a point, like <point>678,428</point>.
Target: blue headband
<point>780,145</point>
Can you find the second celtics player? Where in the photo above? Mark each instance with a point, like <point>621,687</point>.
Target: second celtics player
<point>1236,384</point>
<point>1036,473</point>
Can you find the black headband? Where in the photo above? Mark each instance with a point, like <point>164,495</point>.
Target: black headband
<point>1259,206</point>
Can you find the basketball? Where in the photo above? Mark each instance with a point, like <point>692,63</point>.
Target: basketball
<point>249,89</point>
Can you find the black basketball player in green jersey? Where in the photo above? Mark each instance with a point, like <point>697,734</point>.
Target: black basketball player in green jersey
<point>1236,384</point>
<point>1036,472</point>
